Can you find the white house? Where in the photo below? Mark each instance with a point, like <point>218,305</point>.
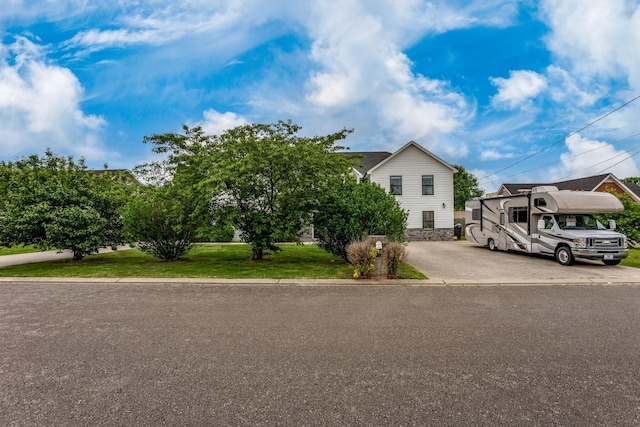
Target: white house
<point>422,183</point>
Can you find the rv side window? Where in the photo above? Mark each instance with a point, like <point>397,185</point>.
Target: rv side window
<point>518,214</point>
<point>475,214</point>
<point>501,218</point>
<point>539,202</point>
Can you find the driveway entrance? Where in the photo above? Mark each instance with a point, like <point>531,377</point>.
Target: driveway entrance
<point>462,262</point>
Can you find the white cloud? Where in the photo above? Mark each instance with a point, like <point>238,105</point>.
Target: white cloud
<point>493,154</point>
<point>597,37</point>
<point>587,157</point>
<point>216,123</point>
<point>40,107</point>
<point>521,86</point>
<point>359,65</point>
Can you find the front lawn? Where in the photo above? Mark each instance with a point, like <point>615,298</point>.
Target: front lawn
<point>204,261</point>
<point>633,260</point>
<point>17,250</point>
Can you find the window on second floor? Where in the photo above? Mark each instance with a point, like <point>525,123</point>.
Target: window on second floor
<point>427,185</point>
<point>395,185</point>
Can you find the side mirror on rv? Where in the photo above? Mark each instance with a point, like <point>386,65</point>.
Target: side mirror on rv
<point>612,224</point>
<point>541,224</point>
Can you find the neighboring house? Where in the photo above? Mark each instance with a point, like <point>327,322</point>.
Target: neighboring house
<point>422,183</point>
<point>604,182</point>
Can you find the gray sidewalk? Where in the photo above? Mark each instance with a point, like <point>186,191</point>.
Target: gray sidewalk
<point>33,257</point>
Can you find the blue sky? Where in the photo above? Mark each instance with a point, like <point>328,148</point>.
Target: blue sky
<point>495,86</point>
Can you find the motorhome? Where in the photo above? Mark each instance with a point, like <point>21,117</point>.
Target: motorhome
<point>550,222</point>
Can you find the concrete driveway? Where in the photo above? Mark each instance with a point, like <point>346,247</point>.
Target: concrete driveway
<point>463,262</point>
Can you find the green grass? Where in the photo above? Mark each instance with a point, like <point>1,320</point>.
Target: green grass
<point>204,261</point>
<point>633,260</point>
<point>17,250</point>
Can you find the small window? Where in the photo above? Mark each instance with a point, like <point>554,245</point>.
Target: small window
<point>428,220</point>
<point>396,185</point>
<point>475,214</point>
<point>518,214</point>
<point>539,202</point>
<point>427,185</point>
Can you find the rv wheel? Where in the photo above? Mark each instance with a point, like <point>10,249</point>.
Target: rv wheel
<point>564,255</point>
<point>611,261</point>
<point>491,244</point>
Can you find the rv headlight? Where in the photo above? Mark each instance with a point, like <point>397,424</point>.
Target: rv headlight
<point>580,243</point>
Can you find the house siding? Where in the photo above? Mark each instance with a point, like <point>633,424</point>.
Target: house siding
<point>412,163</point>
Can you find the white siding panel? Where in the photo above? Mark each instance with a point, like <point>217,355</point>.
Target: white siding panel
<point>411,164</point>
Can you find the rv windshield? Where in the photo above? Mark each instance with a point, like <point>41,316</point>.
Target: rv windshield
<point>578,222</point>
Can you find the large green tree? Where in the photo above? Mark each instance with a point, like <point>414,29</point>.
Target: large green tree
<point>54,202</point>
<point>351,211</point>
<point>264,179</point>
<point>465,187</point>
<point>627,221</point>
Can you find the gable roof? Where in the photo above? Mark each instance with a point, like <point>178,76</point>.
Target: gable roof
<point>371,160</point>
<point>589,183</point>
<point>635,188</point>
<point>368,159</point>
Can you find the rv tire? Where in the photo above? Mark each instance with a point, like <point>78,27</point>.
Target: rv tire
<point>564,255</point>
<point>491,244</point>
<point>611,261</point>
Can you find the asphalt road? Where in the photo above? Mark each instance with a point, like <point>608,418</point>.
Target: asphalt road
<point>188,354</point>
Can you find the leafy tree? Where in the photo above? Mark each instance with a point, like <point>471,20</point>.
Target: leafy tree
<point>53,202</point>
<point>627,221</point>
<point>263,179</point>
<point>268,180</point>
<point>351,211</point>
<point>465,187</point>
<point>633,179</point>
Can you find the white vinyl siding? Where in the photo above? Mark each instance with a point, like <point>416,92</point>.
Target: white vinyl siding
<point>412,163</point>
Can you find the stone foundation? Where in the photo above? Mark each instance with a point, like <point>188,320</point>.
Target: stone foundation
<point>422,235</point>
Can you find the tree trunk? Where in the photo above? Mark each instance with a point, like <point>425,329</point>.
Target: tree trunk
<point>257,254</point>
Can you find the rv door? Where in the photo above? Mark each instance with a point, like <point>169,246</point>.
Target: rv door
<point>502,231</point>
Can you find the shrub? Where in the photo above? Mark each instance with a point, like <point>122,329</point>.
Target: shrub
<point>393,253</point>
<point>352,211</point>
<point>362,257</point>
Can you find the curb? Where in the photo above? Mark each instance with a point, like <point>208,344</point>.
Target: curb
<point>320,282</point>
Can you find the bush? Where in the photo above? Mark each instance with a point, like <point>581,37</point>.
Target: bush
<point>362,256</point>
<point>393,253</point>
<point>352,211</point>
<point>162,221</point>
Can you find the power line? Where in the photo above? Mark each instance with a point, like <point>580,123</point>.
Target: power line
<point>561,139</point>
<point>623,160</point>
<point>576,155</point>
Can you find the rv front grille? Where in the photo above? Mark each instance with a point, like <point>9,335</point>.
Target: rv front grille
<point>605,243</point>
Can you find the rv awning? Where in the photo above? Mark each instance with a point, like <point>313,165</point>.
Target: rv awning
<point>585,202</point>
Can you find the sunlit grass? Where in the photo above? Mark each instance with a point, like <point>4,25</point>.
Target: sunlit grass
<point>633,260</point>
<point>15,250</point>
<point>204,261</point>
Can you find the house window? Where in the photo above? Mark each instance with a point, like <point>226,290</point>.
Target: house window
<point>396,185</point>
<point>427,185</point>
<point>428,220</point>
